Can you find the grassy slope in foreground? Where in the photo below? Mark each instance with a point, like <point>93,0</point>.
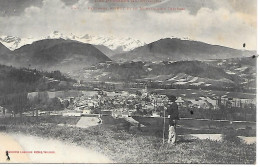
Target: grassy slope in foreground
<point>124,147</point>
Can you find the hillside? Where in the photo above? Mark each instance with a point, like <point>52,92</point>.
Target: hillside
<point>55,54</point>
<point>183,73</point>
<point>14,80</point>
<point>194,68</point>
<point>3,49</point>
<point>173,49</point>
<point>108,52</point>
<point>243,67</point>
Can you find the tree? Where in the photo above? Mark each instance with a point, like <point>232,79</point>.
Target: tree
<point>17,102</point>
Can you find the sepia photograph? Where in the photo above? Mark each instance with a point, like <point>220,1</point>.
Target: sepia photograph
<point>128,81</point>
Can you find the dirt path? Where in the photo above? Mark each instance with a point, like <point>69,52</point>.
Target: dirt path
<point>41,150</point>
<point>86,122</point>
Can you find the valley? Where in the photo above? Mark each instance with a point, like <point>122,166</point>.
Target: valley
<point>66,89</point>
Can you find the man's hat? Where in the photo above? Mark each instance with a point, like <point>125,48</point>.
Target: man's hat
<point>172,98</point>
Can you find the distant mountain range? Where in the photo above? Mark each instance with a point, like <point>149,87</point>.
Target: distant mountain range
<point>128,49</point>
<point>13,43</point>
<point>174,49</point>
<point>55,54</point>
<point>118,45</point>
<point>59,52</point>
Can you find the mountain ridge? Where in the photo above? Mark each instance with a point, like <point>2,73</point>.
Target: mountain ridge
<point>53,54</point>
<point>175,49</point>
<point>116,44</point>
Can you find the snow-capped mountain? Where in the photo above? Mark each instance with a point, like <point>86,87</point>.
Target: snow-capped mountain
<point>10,42</point>
<point>113,43</point>
<point>13,43</point>
<point>59,35</point>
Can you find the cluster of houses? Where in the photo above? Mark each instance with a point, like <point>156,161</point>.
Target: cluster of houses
<point>144,103</point>
<point>136,103</point>
<point>216,102</point>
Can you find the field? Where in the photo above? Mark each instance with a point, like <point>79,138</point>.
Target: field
<point>133,146</point>
<point>193,93</point>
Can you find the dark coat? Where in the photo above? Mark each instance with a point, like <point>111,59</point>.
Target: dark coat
<point>173,111</point>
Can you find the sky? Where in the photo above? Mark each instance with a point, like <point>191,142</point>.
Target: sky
<point>222,22</point>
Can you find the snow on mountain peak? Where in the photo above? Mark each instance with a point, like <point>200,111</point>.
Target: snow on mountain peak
<point>55,35</point>
<point>183,38</point>
<point>10,42</point>
<point>113,43</point>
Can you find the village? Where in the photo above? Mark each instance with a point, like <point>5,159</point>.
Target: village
<point>141,102</point>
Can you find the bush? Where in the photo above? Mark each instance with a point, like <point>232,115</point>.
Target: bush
<point>230,135</point>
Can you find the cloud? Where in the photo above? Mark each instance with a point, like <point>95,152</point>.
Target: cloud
<point>217,26</point>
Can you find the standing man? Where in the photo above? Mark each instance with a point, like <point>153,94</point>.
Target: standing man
<point>173,115</point>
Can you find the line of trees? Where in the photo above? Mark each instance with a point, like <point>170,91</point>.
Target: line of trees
<point>16,83</point>
<point>17,102</point>
<point>13,80</point>
<point>223,113</point>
